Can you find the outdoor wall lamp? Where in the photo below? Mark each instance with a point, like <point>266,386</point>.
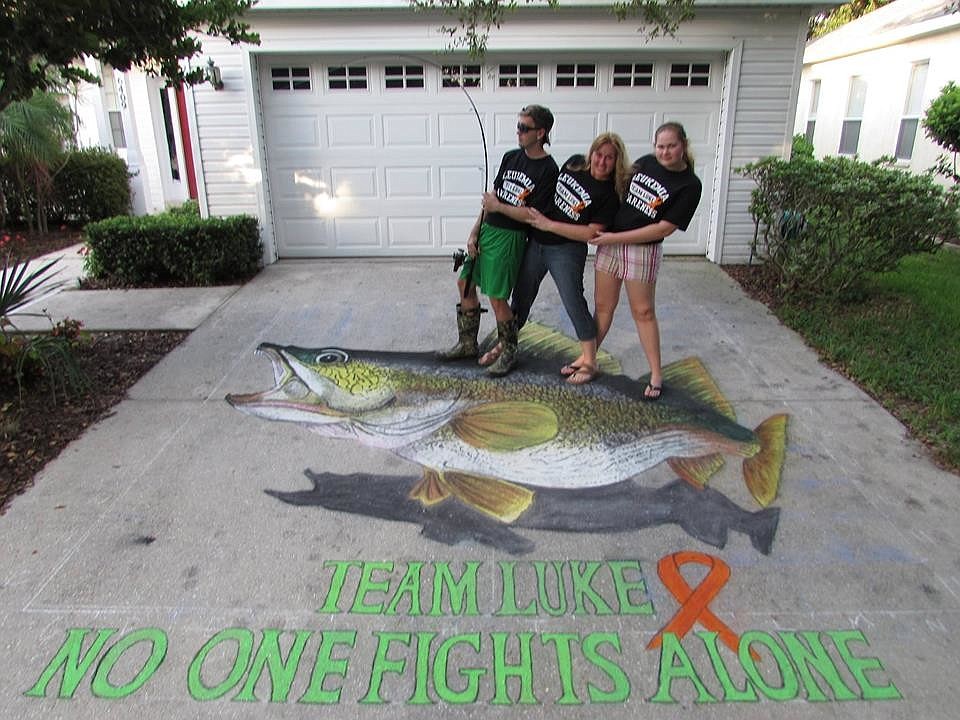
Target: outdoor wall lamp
<point>213,75</point>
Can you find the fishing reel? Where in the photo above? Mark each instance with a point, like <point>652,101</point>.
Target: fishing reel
<point>459,258</point>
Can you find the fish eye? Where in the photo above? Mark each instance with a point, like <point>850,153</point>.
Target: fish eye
<point>327,357</point>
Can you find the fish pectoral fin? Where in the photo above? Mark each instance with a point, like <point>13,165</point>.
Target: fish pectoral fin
<point>499,499</point>
<point>693,378</point>
<point>506,426</point>
<point>697,471</point>
<point>430,490</point>
<point>762,471</point>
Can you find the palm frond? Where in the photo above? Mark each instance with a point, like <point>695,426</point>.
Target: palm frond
<point>21,284</point>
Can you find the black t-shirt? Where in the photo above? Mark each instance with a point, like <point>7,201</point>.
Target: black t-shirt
<point>523,182</point>
<point>656,194</point>
<point>580,199</point>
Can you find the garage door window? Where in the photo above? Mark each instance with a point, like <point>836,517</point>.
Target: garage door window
<point>579,75</point>
<point>633,74</point>
<point>518,76</point>
<point>403,76</point>
<point>689,74</point>
<point>290,78</point>
<point>456,75</point>
<point>353,77</point>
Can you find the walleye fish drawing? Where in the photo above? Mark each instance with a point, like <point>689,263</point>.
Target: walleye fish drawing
<point>493,444</point>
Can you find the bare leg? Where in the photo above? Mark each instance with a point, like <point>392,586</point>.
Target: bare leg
<point>501,308</point>
<point>606,295</point>
<point>641,296</point>
<point>468,300</point>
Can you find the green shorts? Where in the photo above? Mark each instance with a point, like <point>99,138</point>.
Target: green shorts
<point>495,269</point>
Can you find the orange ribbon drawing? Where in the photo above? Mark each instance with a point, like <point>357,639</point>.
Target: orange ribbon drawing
<point>694,602</point>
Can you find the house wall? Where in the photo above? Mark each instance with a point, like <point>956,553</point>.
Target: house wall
<point>763,45</point>
<point>886,71</point>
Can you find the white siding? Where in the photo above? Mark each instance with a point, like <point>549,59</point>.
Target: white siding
<point>886,72</point>
<point>761,110</point>
<point>225,136</point>
<point>763,119</point>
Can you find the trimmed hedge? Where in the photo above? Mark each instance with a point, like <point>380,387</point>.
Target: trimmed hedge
<point>174,249</point>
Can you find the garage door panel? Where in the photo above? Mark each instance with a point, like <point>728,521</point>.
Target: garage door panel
<point>410,233</point>
<point>409,182</point>
<point>357,233</point>
<point>356,182</point>
<point>350,131</point>
<point>455,229</point>
<point>699,126</point>
<point>461,183</point>
<point>406,131</point>
<point>294,131</point>
<point>685,242</point>
<point>635,128</point>
<point>305,236</point>
<point>576,130</point>
<point>457,131</point>
<point>296,181</point>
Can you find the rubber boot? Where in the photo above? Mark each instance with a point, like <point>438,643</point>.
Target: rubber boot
<point>468,327</point>
<point>507,337</point>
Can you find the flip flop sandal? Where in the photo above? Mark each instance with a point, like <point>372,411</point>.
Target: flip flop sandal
<point>568,370</point>
<point>652,393</point>
<point>583,375</point>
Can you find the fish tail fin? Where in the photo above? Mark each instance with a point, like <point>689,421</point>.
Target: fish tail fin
<point>430,490</point>
<point>763,528</point>
<point>499,499</point>
<point>762,471</point>
<point>697,471</point>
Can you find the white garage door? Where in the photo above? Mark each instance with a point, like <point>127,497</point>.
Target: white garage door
<point>383,156</point>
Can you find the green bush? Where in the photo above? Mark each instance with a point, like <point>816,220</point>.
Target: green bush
<point>94,184</point>
<point>801,147</point>
<point>942,125</point>
<point>824,226</point>
<point>174,249</point>
<point>189,208</point>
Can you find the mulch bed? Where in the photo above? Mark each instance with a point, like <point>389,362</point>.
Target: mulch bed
<point>34,427</point>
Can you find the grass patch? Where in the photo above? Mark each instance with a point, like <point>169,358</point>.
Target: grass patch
<point>901,343</point>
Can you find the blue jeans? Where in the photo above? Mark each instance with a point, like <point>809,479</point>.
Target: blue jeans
<point>565,263</point>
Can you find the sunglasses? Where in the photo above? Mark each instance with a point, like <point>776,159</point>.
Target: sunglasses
<point>521,128</point>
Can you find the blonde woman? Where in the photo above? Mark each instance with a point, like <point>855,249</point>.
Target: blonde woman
<point>662,195</point>
<point>585,201</point>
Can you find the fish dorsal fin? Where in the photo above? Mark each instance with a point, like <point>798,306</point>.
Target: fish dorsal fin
<point>506,426</point>
<point>540,341</point>
<point>692,377</point>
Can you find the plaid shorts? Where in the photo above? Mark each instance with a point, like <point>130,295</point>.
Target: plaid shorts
<point>636,261</point>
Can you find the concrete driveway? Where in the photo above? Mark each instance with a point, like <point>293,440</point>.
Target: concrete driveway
<point>186,559</point>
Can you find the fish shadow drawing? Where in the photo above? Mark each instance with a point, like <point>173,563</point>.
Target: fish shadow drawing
<point>525,451</point>
<point>704,514</point>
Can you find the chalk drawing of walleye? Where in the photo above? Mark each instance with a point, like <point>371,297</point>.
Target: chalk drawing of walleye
<point>492,444</point>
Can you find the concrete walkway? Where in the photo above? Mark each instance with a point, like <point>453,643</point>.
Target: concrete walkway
<point>184,559</point>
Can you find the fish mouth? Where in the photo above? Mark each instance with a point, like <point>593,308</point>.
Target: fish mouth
<point>289,392</point>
